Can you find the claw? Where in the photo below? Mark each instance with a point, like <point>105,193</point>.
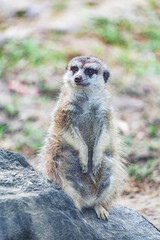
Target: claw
<point>96,169</point>
<point>101,212</point>
<point>84,168</point>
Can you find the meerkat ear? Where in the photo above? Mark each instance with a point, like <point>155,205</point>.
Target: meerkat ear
<point>106,75</point>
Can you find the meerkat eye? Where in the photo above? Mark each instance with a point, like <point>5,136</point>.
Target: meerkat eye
<point>74,69</point>
<point>90,71</point>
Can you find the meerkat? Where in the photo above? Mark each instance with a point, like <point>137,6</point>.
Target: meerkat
<point>81,153</point>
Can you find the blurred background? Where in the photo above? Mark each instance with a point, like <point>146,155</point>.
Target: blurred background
<point>37,38</point>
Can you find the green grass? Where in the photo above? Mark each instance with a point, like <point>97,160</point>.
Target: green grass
<point>32,53</point>
<point>154,4</point>
<point>59,6</point>
<point>11,110</point>
<point>151,35</point>
<point>127,139</point>
<point>3,127</point>
<point>112,32</point>
<point>139,64</point>
<point>138,44</point>
<point>141,172</point>
<point>153,144</point>
<point>32,137</point>
<point>123,33</point>
<point>152,130</point>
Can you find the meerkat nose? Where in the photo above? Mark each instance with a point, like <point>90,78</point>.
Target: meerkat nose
<point>78,79</point>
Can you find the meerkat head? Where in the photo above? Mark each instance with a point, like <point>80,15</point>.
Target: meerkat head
<point>86,72</point>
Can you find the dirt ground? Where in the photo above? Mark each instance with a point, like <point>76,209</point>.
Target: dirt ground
<point>37,38</point>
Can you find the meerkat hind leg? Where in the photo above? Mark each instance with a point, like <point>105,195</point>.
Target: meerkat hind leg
<point>101,212</point>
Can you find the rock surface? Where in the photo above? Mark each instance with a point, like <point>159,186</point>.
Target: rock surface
<point>32,208</point>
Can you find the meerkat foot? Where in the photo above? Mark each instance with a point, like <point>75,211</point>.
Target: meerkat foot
<point>101,212</point>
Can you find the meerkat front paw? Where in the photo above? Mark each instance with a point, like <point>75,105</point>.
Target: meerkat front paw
<point>83,160</point>
<point>101,212</point>
<point>84,167</point>
<point>96,168</point>
<point>96,164</point>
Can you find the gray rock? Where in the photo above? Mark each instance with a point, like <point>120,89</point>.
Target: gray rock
<point>31,207</point>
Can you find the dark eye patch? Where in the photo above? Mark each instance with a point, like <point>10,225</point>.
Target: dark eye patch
<point>74,69</point>
<point>90,71</point>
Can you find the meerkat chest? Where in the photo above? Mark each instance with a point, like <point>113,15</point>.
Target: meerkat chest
<point>88,120</point>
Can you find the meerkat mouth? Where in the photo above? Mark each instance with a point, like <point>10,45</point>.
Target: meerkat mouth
<point>83,84</point>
